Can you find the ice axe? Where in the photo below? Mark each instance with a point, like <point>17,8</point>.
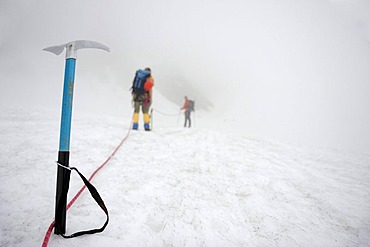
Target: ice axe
<point>63,174</point>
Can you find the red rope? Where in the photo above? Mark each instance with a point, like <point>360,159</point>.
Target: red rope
<point>50,229</point>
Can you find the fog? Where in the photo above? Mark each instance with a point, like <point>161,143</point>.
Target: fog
<point>290,71</point>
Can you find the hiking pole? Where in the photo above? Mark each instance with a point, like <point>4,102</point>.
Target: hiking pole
<point>178,119</point>
<point>151,118</point>
<point>63,174</point>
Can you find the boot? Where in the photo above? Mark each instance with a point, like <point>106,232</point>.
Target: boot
<point>135,121</point>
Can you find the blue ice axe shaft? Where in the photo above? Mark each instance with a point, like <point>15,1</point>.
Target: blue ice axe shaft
<point>63,175</point>
<point>65,127</point>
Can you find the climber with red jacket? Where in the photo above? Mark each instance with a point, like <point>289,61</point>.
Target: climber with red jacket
<point>188,107</point>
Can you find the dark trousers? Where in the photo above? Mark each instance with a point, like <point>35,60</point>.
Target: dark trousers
<point>187,118</point>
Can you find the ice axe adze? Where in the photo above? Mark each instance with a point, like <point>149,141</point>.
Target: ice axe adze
<point>63,174</point>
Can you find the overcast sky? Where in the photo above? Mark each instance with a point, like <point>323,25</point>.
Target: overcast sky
<point>286,70</point>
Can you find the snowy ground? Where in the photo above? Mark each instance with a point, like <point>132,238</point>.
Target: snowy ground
<point>180,187</point>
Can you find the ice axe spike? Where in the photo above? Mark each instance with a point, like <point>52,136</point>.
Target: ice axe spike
<point>63,174</point>
<point>73,46</point>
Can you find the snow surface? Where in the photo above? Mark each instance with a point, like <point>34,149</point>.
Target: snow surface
<point>176,186</point>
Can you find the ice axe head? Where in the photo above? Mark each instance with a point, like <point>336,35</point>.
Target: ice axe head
<point>73,46</point>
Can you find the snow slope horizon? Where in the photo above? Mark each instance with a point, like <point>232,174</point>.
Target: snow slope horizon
<point>288,71</point>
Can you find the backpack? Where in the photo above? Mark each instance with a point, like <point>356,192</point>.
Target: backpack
<point>138,84</point>
<point>191,105</point>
